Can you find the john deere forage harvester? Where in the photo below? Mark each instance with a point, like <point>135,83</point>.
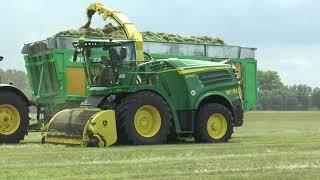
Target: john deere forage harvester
<point>146,102</point>
<point>126,97</point>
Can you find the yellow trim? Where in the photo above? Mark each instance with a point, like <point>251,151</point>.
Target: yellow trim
<point>63,141</point>
<point>76,80</point>
<point>147,121</point>
<point>239,76</point>
<point>170,70</point>
<point>103,124</point>
<point>193,70</point>
<point>9,119</point>
<point>217,126</point>
<point>231,91</point>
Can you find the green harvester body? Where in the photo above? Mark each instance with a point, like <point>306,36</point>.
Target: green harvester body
<point>193,74</point>
<point>184,84</point>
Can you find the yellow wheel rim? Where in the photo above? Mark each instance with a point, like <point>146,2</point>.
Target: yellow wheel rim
<point>147,121</point>
<point>217,126</point>
<point>9,119</point>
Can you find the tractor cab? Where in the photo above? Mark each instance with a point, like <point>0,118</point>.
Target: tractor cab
<point>104,71</point>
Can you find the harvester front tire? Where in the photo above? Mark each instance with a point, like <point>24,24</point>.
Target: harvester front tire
<point>214,124</point>
<point>12,99</point>
<point>127,116</point>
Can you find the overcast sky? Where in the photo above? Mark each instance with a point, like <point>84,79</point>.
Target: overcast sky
<point>286,32</point>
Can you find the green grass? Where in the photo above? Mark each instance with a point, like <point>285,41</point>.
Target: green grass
<point>270,145</point>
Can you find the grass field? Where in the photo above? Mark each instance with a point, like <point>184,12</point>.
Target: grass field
<point>270,145</point>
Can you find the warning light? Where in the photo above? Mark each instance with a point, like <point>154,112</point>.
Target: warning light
<point>110,38</point>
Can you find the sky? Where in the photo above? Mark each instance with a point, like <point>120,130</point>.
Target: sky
<point>285,32</point>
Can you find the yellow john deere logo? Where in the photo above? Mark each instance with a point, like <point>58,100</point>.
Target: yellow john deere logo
<point>190,75</point>
<point>232,91</point>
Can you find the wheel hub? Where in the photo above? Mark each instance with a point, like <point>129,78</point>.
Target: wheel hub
<point>144,121</point>
<point>147,121</point>
<point>4,117</point>
<point>5,120</point>
<point>217,126</point>
<point>9,119</point>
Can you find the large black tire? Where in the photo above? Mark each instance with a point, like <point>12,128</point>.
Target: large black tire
<point>202,131</point>
<point>10,98</point>
<point>127,132</point>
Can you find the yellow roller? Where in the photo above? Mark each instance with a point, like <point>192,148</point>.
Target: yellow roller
<point>82,126</point>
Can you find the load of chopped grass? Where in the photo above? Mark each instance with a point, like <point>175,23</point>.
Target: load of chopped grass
<point>117,33</point>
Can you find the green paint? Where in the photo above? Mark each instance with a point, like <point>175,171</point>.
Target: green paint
<point>176,87</point>
<point>183,83</point>
<point>250,82</point>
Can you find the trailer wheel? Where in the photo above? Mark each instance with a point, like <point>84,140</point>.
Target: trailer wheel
<point>14,118</point>
<point>214,124</point>
<point>143,118</point>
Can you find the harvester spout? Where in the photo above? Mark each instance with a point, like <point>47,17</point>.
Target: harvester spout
<point>127,26</point>
<point>90,13</point>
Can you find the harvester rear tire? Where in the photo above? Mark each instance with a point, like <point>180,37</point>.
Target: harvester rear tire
<point>130,105</point>
<point>210,112</point>
<point>10,98</point>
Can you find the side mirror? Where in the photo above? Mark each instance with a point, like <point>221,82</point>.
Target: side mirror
<point>1,58</point>
<point>75,55</point>
<point>123,52</point>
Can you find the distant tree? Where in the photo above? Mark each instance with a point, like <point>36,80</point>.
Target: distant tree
<point>291,101</point>
<point>18,78</point>
<point>269,80</point>
<point>276,100</point>
<point>316,97</point>
<point>265,100</point>
<point>273,95</point>
<point>303,93</point>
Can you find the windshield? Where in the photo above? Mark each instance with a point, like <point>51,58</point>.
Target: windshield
<point>105,67</point>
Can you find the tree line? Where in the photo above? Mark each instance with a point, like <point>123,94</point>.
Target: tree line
<point>18,78</point>
<point>274,95</point>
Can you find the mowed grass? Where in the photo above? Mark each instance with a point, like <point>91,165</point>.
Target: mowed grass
<point>270,145</point>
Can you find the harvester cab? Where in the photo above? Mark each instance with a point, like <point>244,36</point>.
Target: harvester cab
<point>105,71</point>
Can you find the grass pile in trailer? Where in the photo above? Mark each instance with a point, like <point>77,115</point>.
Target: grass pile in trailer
<point>271,145</point>
<point>117,33</point>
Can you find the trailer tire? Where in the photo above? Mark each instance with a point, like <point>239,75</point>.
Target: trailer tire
<point>214,124</point>
<point>13,106</point>
<point>143,118</point>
